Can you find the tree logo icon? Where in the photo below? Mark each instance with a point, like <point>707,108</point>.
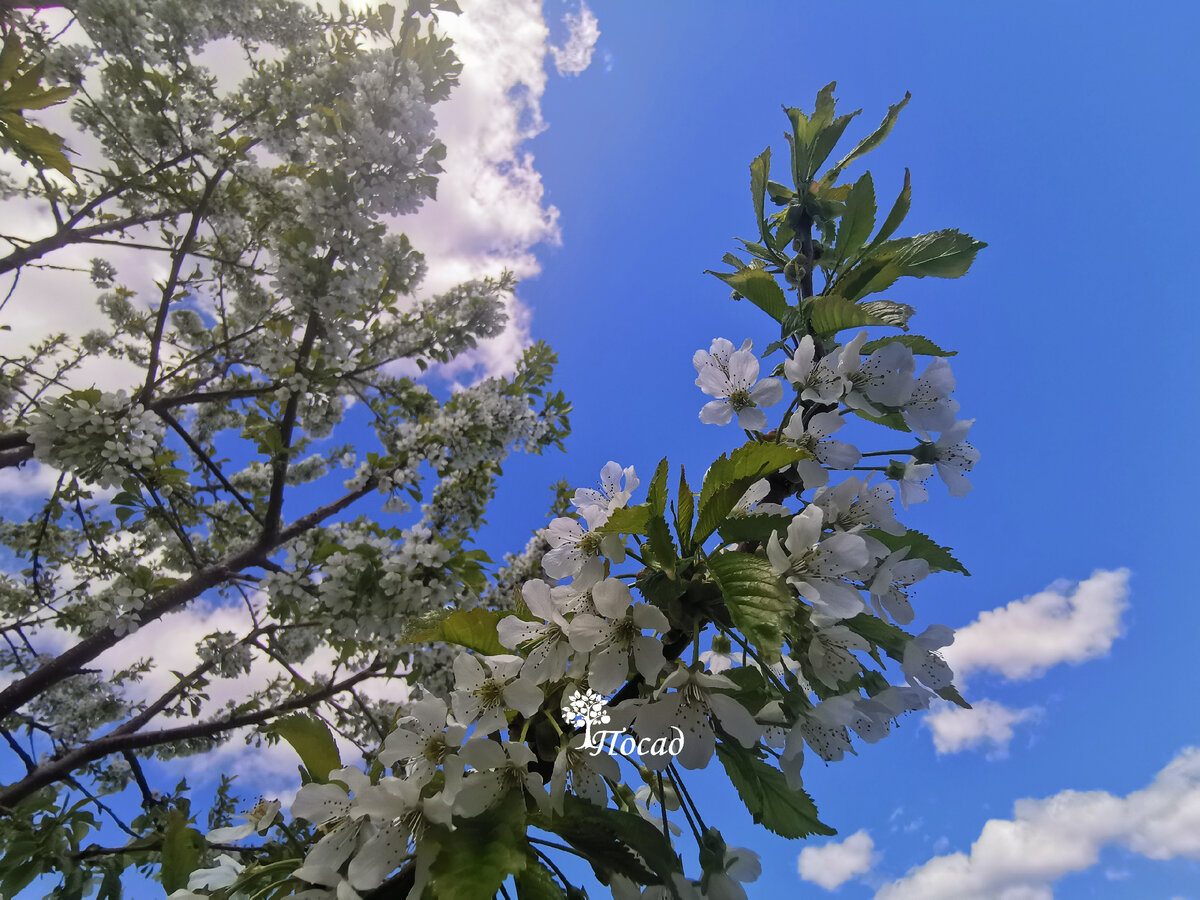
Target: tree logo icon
<point>590,708</point>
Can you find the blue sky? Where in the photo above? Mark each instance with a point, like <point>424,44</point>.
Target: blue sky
<point>1061,134</point>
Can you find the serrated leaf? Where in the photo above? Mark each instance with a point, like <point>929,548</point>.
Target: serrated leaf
<point>760,288</point>
<point>684,511</point>
<point>758,189</point>
<point>729,477</point>
<point>536,882</point>
<point>897,215</point>
<point>870,142</point>
<point>627,520</point>
<point>951,693</point>
<point>662,548</point>
<point>889,312</point>
<point>311,740</point>
<point>920,546</point>
<point>857,222</point>
<point>759,603</point>
<point>736,529</point>
<point>480,853</point>
<point>880,632</point>
<point>779,194</point>
<point>474,629</point>
<point>181,849</point>
<point>818,151</point>
<point>893,420</point>
<point>868,277</point>
<point>615,841</point>
<point>656,493</point>
<point>922,346</point>
<point>789,812</point>
<point>940,254</point>
<point>831,314</point>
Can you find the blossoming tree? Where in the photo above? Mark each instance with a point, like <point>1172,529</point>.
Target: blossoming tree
<point>746,622</point>
<point>255,157</point>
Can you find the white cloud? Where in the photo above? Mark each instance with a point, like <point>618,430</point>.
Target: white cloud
<point>1021,858</point>
<point>832,865</point>
<point>986,724</point>
<point>575,55</point>
<point>1057,625</point>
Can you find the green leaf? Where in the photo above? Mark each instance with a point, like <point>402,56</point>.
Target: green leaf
<point>662,548</point>
<point>889,312</point>
<point>627,520</point>
<point>880,632</point>
<point>779,194</point>
<point>857,223</point>
<point>920,546</point>
<point>941,254</point>
<point>896,216</point>
<point>729,477</point>
<point>951,693</point>
<point>181,849</point>
<point>760,288</point>
<point>310,738</point>
<point>656,493</point>
<point>736,529</point>
<point>818,151</point>
<point>789,812</point>
<point>870,142</point>
<point>536,882</point>
<point>481,852</point>
<point>474,629</point>
<point>831,314</point>
<point>891,420</point>
<point>922,346</point>
<point>759,603</point>
<point>684,513</point>
<point>868,277</point>
<point>758,189</point>
<point>615,841</point>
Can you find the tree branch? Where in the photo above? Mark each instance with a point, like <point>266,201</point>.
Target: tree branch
<point>62,767</point>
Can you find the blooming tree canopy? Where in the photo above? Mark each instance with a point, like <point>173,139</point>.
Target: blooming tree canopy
<point>557,708</point>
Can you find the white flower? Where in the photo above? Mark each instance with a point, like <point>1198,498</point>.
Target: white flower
<point>830,656</point>
<point>885,377</point>
<point>922,664</point>
<point>222,875</point>
<point>817,380</point>
<point>616,487</point>
<point>547,659</point>
<point>571,546</point>
<point>738,865</point>
<point>814,566</point>
<point>618,636</point>
<point>483,698</point>
<point>853,505</point>
<point>732,377</point>
<point>930,408</point>
<point>953,456</point>
<point>498,768</point>
<point>259,819</point>
<point>888,585</point>
<point>814,437</point>
<point>584,770</point>
<point>422,739</point>
<point>689,708</point>
<point>910,478</point>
